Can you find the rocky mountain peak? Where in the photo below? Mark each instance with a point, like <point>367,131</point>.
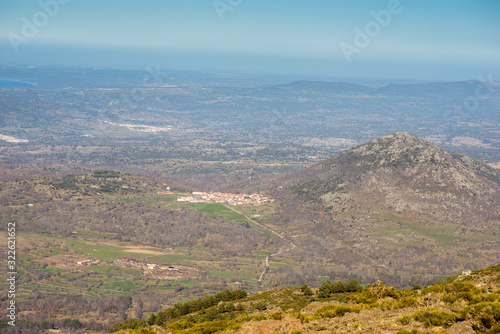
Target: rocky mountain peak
<point>402,173</point>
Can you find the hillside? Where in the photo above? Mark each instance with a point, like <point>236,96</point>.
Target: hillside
<point>98,247</point>
<point>403,173</point>
<point>466,304</point>
<point>397,208</point>
<point>449,224</point>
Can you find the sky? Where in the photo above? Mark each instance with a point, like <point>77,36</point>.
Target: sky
<point>400,39</point>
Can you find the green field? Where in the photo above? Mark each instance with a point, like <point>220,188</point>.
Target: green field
<point>217,209</point>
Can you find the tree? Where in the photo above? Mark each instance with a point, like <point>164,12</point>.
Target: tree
<point>72,323</point>
<point>353,286</point>
<point>308,291</point>
<point>325,290</point>
<point>46,324</point>
<point>261,306</point>
<point>338,287</point>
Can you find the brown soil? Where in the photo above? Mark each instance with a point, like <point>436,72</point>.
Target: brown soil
<point>62,261</point>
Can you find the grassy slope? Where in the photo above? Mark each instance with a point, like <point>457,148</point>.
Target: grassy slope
<point>466,303</point>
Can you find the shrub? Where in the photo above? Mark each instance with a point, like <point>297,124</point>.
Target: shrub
<point>180,325</point>
<point>431,317</point>
<point>338,287</point>
<point>46,324</point>
<point>72,323</point>
<point>353,286</point>
<point>484,316</point>
<point>367,297</point>
<point>143,330</point>
<point>261,306</point>
<point>462,291</point>
<point>307,291</point>
<point>129,324</point>
<point>276,315</point>
<point>325,290</point>
<point>209,327</point>
<point>181,309</point>
<point>300,316</point>
<point>332,311</point>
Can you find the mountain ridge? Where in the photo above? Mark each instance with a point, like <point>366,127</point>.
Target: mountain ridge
<point>396,208</point>
<point>398,160</point>
<point>418,89</point>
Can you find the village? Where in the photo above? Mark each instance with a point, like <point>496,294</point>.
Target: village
<point>217,197</point>
<point>150,270</point>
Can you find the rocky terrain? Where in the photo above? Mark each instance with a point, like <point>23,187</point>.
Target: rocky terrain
<point>404,174</point>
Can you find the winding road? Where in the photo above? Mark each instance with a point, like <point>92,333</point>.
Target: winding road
<point>280,251</point>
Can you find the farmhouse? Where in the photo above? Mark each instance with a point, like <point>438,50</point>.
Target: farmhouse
<point>151,265</point>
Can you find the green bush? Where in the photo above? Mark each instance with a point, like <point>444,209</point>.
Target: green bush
<point>208,327</point>
<point>106,173</point>
<point>143,330</point>
<point>200,304</point>
<point>307,291</point>
<point>413,331</point>
<point>261,306</point>
<point>353,286</point>
<point>431,317</point>
<point>276,315</point>
<point>129,324</point>
<point>333,311</point>
<point>300,316</point>
<point>72,323</point>
<point>46,324</point>
<point>338,287</point>
<point>367,297</point>
<point>484,316</point>
<point>460,291</point>
<point>325,290</point>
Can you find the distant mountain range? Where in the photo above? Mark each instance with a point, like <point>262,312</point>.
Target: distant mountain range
<point>441,89</point>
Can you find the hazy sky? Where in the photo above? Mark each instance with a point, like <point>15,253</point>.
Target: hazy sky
<point>419,39</point>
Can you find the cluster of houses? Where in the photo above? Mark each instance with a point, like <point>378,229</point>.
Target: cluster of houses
<point>88,262</point>
<point>166,192</point>
<point>149,266</point>
<point>233,199</point>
